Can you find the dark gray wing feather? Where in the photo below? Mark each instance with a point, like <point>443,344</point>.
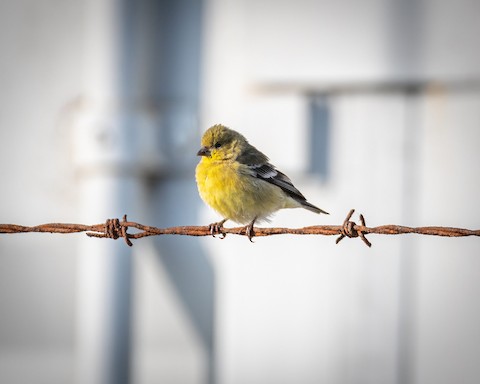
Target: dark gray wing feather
<point>268,173</point>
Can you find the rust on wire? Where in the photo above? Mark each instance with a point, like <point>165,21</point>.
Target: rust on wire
<point>350,229</point>
<point>115,228</point>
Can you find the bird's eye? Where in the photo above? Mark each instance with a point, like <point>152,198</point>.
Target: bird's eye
<point>217,145</point>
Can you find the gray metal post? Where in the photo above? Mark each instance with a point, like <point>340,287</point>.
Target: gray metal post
<point>113,149</point>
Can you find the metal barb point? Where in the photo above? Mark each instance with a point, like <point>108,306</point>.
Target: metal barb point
<point>350,229</point>
<point>124,229</point>
<point>114,229</point>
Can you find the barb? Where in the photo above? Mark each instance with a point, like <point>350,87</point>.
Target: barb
<point>115,228</point>
<point>350,229</point>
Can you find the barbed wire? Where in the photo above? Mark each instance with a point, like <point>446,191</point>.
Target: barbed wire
<point>115,228</point>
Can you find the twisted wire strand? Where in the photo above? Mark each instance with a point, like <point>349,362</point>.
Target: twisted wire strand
<point>115,228</point>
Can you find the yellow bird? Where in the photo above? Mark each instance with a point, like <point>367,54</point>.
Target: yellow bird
<point>236,180</point>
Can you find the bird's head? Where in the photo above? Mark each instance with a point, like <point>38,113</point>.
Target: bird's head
<point>221,143</point>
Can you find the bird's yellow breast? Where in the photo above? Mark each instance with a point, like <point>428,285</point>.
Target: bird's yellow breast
<point>230,189</point>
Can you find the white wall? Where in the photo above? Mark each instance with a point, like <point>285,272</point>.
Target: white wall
<point>40,62</point>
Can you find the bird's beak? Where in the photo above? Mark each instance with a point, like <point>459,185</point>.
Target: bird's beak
<point>204,151</point>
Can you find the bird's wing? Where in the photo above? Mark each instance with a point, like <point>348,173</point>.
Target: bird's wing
<point>268,173</point>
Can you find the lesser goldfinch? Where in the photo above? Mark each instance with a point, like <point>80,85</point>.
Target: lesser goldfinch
<point>236,180</point>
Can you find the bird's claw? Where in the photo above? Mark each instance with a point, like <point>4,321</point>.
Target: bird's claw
<point>249,231</point>
<point>217,229</point>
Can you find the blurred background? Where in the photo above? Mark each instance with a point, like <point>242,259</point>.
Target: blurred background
<point>372,105</point>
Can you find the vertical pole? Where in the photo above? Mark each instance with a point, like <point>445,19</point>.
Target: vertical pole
<point>319,111</point>
<point>111,159</point>
<point>405,43</point>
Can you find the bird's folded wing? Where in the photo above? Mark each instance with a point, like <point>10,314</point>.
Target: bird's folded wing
<point>268,173</point>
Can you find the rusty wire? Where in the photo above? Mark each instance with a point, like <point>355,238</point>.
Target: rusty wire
<point>115,228</point>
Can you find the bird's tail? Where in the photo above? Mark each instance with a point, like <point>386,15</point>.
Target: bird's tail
<point>313,208</point>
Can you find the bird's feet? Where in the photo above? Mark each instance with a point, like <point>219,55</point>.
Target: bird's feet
<point>217,229</point>
<point>249,230</point>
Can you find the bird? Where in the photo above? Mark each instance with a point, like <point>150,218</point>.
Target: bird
<point>239,182</point>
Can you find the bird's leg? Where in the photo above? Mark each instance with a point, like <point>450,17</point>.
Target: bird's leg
<point>217,228</point>
<point>249,230</point>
